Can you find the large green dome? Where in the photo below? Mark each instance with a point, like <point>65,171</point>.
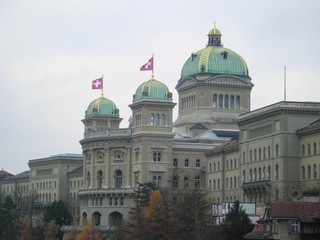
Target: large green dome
<point>215,59</point>
<point>152,89</point>
<point>102,105</point>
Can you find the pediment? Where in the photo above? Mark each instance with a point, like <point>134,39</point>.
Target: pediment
<point>232,80</point>
<point>186,82</point>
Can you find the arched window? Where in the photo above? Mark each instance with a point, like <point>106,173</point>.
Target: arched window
<point>186,163</point>
<point>226,101</point>
<point>314,148</point>
<point>277,172</point>
<point>277,150</point>
<point>264,153</point>
<point>244,157</point>
<point>238,102</point>
<point>231,183</point>
<point>227,181</point>
<point>227,164</point>
<point>255,174</point>
<point>235,182</point>
<point>218,184</point>
<point>259,153</point>
<point>186,181</point>
<point>259,174</point>
<point>163,120</point>
<point>235,163</point>
<point>175,162</point>
<point>214,167</point>
<point>210,168</point>
<point>159,157</point>
<point>157,120</point>
<point>151,119</point>
<point>303,150</point>
<point>309,172</point>
<point>250,155</point>
<point>88,179</point>
<point>303,172</point>
<point>214,100</point>
<point>174,181</point>
<point>214,184</point>
<point>315,171</point>
<point>197,163</point>
<point>244,176</point>
<point>250,175</point>
<point>269,172</point>
<point>220,101</point>
<point>269,152</point>
<point>232,101</point>
<point>264,173</point>
<point>309,149</point>
<point>197,182</point>
<point>118,179</point>
<point>231,164</point>
<point>99,179</point>
<point>255,155</point>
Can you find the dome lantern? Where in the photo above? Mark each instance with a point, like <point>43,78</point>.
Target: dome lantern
<point>214,36</point>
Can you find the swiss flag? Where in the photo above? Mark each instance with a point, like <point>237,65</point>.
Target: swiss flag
<point>148,65</point>
<point>97,84</point>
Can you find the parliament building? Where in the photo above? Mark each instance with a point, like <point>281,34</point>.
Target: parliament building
<point>217,144</point>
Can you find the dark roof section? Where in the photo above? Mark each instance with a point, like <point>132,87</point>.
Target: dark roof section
<point>228,145</point>
<point>4,174</point>
<point>77,170</point>
<point>302,210</point>
<point>226,133</point>
<point>259,232</point>
<point>199,126</point>
<point>22,175</point>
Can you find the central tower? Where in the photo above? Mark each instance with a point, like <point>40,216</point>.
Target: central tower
<point>214,88</point>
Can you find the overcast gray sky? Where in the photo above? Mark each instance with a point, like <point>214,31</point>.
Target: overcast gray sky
<point>50,51</point>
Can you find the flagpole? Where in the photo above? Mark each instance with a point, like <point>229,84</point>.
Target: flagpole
<point>153,66</point>
<point>102,86</point>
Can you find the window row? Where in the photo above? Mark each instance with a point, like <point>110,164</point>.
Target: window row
<point>260,154</point>
<point>44,185</point>
<point>76,184</point>
<point>230,164</point>
<point>118,178</point>
<point>157,119</point>
<point>308,174</point>
<point>259,174</point>
<point>308,151</point>
<point>186,163</point>
<point>46,197</point>
<point>188,183</point>
<point>188,103</point>
<point>231,183</point>
<point>226,101</point>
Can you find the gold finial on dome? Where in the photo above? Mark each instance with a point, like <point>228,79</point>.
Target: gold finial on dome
<point>102,94</point>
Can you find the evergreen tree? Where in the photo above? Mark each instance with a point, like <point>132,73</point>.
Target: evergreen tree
<point>58,212</point>
<point>143,192</point>
<point>8,219</point>
<point>236,223</point>
<point>190,213</point>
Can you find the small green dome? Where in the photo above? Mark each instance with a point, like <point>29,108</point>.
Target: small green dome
<point>214,31</point>
<point>102,105</point>
<point>152,89</point>
<point>215,59</point>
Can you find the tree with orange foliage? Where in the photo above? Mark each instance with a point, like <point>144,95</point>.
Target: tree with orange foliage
<point>158,217</point>
<point>72,234</point>
<point>51,231</point>
<point>88,232</point>
<point>25,233</point>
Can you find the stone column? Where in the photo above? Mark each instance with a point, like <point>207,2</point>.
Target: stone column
<point>129,158</point>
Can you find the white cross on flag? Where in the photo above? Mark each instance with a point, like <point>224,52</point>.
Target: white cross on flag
<point>148,65</point>
<point>97,84</point>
